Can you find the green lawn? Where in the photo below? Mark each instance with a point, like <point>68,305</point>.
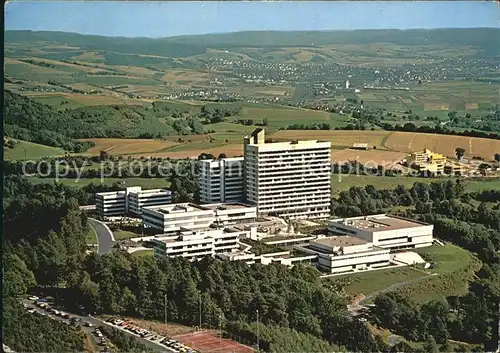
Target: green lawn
<point>479,185</point>
<point>369,282</point>
<point>453,266</point>
<point>448,258</point>
<point>147,183</point>
<point>29,150</point>
<point>121,234</point>
<point>279,116</point>
<point>143,253</point>
<point>91,237</point>
<point>56,101</point>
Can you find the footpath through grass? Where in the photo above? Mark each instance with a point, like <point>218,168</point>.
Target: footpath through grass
<point>453,265</point>
<point>369,282</point>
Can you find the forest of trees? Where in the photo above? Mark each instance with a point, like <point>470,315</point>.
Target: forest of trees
<point>217,113</point>
<point>313,126</point>
<point>410,127</point>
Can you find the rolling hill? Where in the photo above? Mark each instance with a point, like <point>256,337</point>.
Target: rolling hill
<point>486,40</point>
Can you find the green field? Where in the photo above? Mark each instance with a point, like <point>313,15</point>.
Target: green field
<point>140,253</point>
<point>29,150</point>
<point>373,281</point>
<point>91,237</point>
<point>57,100</point>
<point>455,268</point>
<point>279,116</point>
<point>146,183</point>
<point>121,234</point>
<point>452,265</point>
<point>448,258</point>
<point>485,184</point>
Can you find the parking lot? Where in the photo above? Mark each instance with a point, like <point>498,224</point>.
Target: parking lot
<point>168,344</point>
<point>45,307</point>
<point>90,325</point>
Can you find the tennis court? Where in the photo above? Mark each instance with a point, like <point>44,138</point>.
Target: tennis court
<point>209,342</point>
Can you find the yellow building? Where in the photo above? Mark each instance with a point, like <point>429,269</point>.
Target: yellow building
<point>427,161</point>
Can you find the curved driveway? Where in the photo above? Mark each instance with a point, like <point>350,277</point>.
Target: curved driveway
<point>105,237</point>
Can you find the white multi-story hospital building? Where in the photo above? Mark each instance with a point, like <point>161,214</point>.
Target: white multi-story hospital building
<point>221,180</point>
<point>195,244</point>
<point>289,179</point>
<point>130,201</point>
<point>172,218</point>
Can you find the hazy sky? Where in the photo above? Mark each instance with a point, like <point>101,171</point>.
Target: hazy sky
<point>163,19</point>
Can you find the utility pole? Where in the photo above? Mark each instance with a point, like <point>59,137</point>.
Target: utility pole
<point>220,330</point>
<point>258,343</point>
<point>199,292</point>
<point>166,299</point>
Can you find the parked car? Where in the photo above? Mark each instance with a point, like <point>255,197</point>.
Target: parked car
<point>33,297</point>
<point>31,311</point>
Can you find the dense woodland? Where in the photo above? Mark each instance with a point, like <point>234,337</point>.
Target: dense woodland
<point>45,231</point>
<point>26,119</point>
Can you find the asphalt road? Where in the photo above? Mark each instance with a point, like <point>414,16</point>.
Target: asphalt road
<point>105,238</point>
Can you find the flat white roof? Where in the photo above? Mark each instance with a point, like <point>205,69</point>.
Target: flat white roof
<point>379,223</point>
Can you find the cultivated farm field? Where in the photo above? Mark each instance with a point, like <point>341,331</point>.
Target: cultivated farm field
<point>444,144</point>
<point>128,146</point>
<point>397,141</point>
<point>369,158</point>
<point>337,137</point>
